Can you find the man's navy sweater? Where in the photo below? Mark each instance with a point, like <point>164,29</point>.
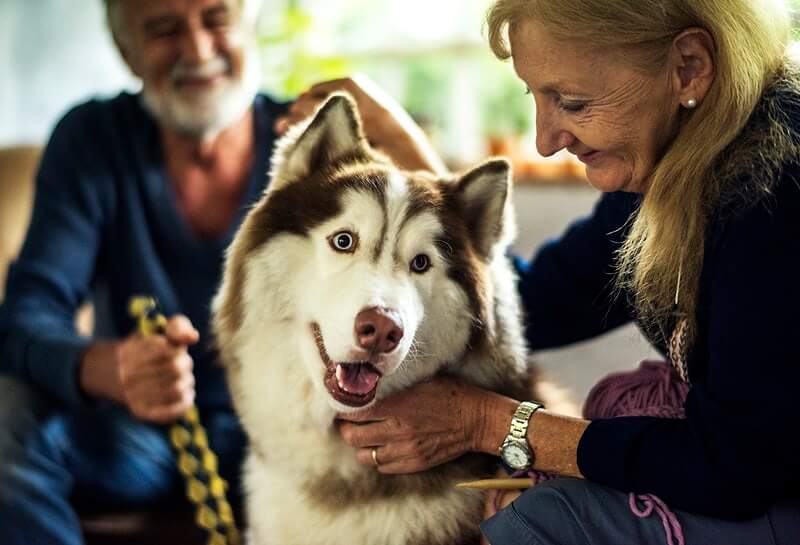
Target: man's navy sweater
<point>106,226</point>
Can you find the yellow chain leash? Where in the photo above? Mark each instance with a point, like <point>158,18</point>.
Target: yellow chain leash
<point>196,461</point>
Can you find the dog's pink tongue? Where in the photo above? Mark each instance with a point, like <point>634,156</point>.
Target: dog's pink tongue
<point>357,378</point>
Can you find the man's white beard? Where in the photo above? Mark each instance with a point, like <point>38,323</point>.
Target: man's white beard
<point>205,114</point>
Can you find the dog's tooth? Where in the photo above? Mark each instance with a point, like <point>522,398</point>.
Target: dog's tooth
<point>340,375</point>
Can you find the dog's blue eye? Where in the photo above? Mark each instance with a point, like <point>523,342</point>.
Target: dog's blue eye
<point>420,264</point>
<point>343,241</point>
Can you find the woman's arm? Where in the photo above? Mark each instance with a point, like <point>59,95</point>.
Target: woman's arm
<point>553,437</point>
<point>442,419</point>
<point>568,287</point>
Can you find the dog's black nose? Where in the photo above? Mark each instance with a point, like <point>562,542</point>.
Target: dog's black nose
<point>378,329</point>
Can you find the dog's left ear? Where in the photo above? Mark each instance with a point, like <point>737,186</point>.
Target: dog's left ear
<point>485,192</point>
<point>333,132</point>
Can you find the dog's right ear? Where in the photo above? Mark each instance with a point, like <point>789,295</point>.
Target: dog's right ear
<point>332,133</point>
<point>485,196</point>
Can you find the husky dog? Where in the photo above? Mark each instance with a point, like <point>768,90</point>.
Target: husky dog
<point>349,281</point>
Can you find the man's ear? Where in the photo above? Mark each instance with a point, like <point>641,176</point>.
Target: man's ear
<point>332,133</point>
<point>484,192</point>
<point>693,67</point>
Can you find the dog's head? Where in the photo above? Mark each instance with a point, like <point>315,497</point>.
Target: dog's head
<point>381,275</point>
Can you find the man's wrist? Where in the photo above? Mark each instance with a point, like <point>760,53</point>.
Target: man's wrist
<point>97,371</point>
<point>414,151</point>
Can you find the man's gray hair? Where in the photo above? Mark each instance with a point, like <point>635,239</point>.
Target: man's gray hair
<point>114,15</point>
<point>114,18</point>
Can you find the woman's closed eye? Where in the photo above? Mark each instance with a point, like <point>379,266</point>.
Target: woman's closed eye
<point>572,106</point>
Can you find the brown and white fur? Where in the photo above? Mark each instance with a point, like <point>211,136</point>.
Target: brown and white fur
<point>285,319</point>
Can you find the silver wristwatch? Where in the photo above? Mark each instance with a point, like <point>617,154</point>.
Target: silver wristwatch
<point>515,450</point>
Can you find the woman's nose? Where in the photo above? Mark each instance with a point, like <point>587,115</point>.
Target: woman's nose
<point>551,137</point>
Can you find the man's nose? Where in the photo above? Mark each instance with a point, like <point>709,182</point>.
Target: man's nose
<point>198,46</point>
<point>551,136</point>
<point>378,329</point>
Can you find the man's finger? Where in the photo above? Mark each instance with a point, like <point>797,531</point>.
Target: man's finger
<point>173,364</point>
<point>285,123</point>
<point>302,109</point>
<point>179,331</point>
<point>325,88</point>
<point>167,392</point>
<point>166,414</point>
<point>156,375</point>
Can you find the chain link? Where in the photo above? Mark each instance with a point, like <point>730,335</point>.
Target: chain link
<point>198,464</point>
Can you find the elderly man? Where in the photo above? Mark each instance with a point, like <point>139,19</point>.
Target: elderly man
<point>137,194</point>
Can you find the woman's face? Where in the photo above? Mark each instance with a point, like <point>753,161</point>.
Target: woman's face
<point>617,121</point>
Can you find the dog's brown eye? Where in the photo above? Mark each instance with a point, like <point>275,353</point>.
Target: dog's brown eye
<point>420,264</point>
<point>343,241</point>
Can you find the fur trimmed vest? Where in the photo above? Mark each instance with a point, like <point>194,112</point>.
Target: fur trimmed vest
<point>753,164</point>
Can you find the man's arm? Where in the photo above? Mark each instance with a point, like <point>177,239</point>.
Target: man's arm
<point>387,126</point>
<point>38,343</point>
<point>51,277</point>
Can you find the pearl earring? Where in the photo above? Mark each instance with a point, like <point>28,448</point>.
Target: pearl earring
<point>691,103</point>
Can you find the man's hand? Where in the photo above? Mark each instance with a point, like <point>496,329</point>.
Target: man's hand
<point>432,423</point>
<point>152,376</point>
<point>387,126</point>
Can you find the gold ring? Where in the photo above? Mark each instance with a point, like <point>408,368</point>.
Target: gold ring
<point>375,457</point>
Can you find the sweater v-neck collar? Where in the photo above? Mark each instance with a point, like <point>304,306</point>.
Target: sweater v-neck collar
<point>168,214</point>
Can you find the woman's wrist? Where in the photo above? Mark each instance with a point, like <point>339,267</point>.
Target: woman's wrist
<point>494,419</point>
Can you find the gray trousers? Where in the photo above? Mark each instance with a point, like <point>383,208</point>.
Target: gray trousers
<point>578,512</point>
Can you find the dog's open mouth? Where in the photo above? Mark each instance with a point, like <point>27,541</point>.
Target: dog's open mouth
<point>351,383</point>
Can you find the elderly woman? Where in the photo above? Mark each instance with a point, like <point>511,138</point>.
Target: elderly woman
<point>687,116</point>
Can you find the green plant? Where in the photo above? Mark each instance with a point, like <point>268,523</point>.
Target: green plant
<point>506,110</point>
<point>290,65</point>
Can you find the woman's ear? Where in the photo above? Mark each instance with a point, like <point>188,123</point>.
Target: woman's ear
<point>692,66</point>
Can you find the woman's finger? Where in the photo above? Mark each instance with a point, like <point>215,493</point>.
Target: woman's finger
<point>368,434</point>
<point>415,454</point>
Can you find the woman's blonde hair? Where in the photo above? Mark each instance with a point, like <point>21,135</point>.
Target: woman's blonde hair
<point>663,252</point>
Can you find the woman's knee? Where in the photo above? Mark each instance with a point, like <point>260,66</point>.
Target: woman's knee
<point>556,511</point>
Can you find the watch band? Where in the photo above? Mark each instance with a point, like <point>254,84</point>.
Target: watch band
<point>516,451</point>
<point>521,419</point>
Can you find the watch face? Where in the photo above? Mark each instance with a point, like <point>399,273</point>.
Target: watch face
<point>516,456</point>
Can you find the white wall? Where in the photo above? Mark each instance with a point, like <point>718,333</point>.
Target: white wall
<point>53,54</point>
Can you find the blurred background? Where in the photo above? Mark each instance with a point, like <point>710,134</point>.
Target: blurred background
<point>431,55</point>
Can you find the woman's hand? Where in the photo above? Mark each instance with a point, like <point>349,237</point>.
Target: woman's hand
<point>387,126</point>
<point>495,500</point>
<point>419,428</point>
